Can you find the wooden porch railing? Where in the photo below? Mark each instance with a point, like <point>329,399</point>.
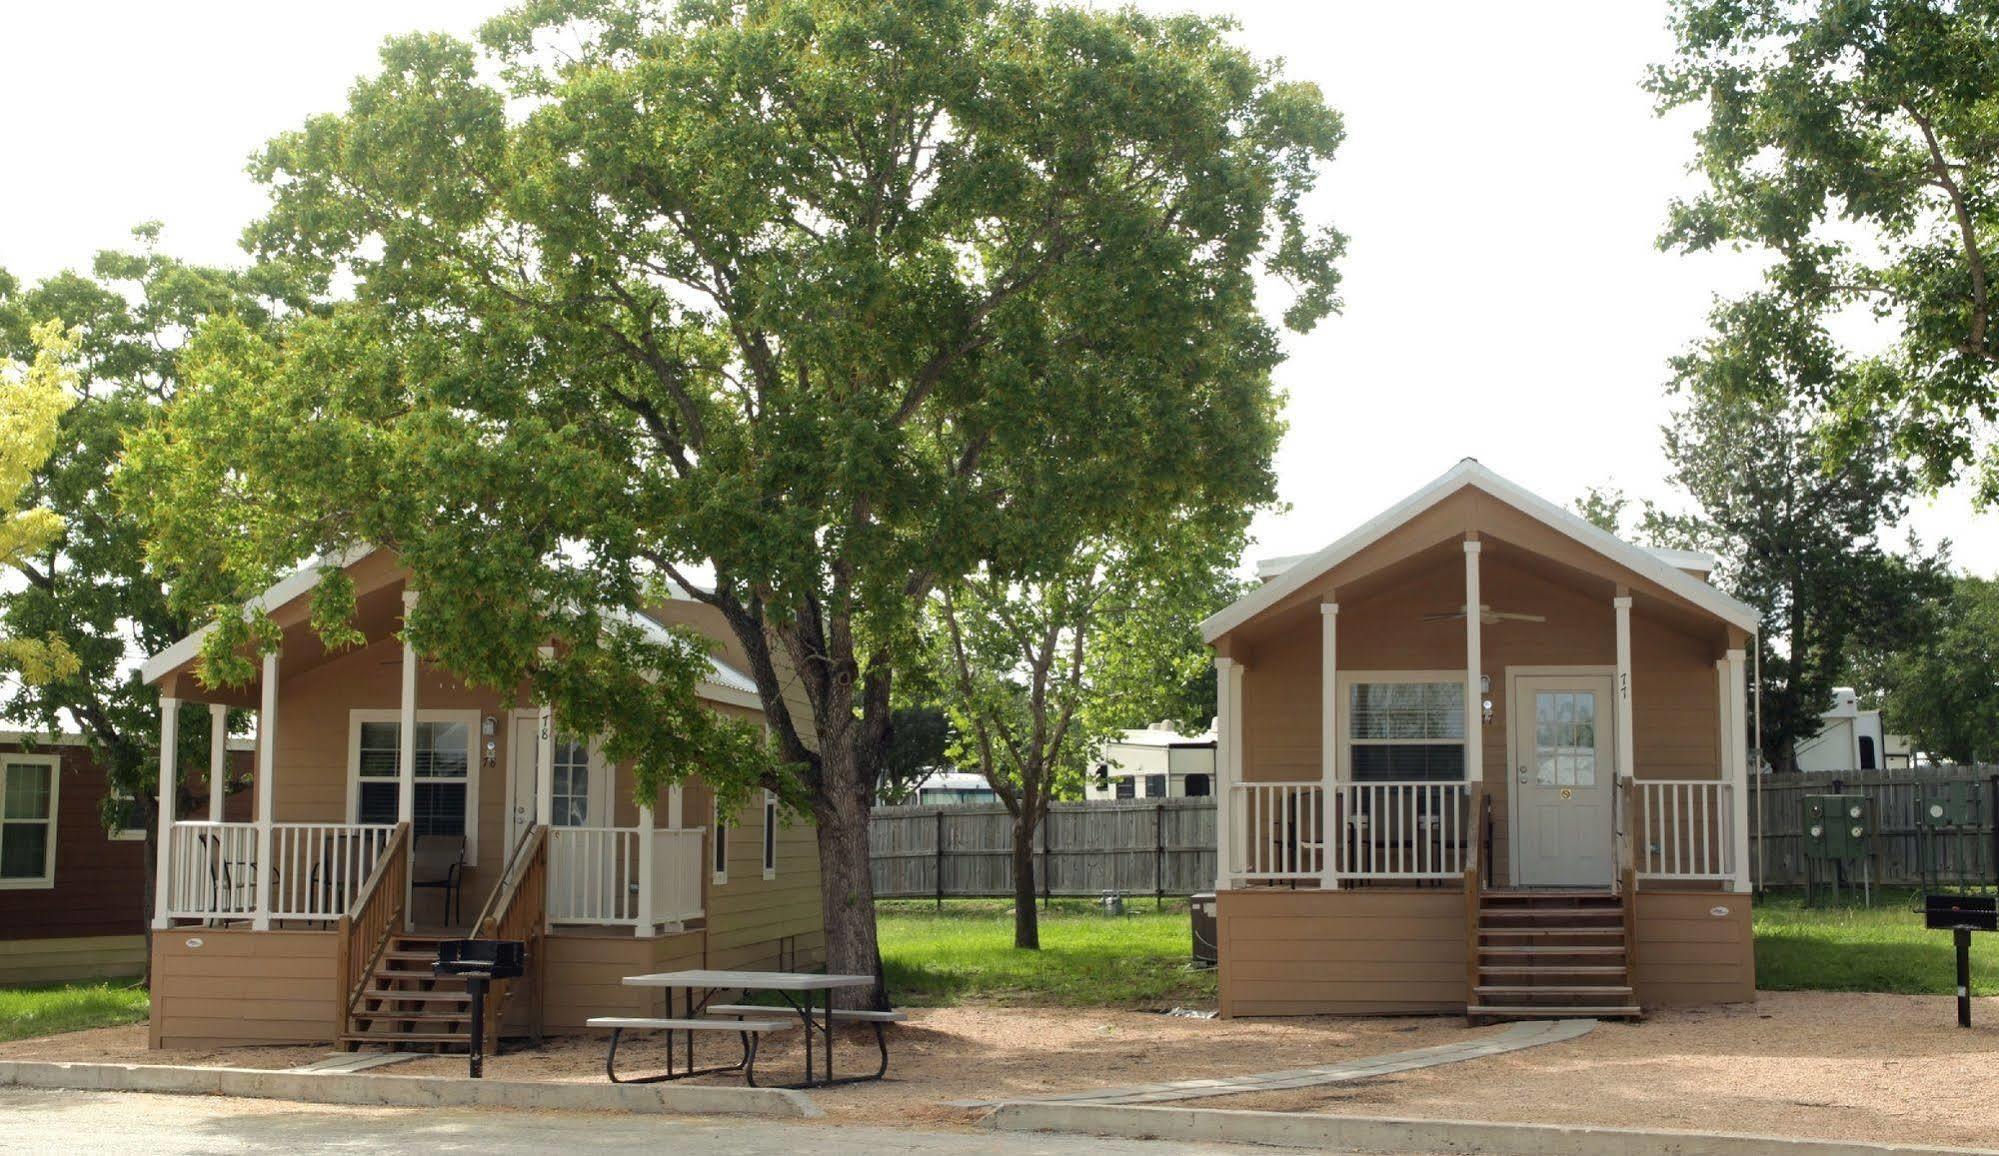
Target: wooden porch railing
<point>371,919</point>
<point>1479,807</point>
<point>518,909</point>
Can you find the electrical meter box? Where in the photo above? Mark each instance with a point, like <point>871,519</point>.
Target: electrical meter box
<point>1838,826</point>
<point>1956,803</point>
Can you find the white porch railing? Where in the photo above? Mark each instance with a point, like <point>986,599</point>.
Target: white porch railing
<point>211,870</point>
<point>1405,830</point>
<point>316,869</point>
<point>321,866</point>
<point>594,878</point>
<point>1278,831</point>
<point>1685,829</point>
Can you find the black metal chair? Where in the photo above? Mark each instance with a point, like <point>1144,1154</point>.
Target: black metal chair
<point>438,863</point>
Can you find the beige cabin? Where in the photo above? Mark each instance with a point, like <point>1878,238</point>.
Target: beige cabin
<point>310,922</point>
<point>1536,808</point>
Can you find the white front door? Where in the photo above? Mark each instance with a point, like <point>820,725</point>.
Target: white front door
<point>1564,776</point>
<point>523,748</point>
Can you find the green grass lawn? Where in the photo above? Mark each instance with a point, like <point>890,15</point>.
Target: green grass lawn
<point>1851,948</point>
<point>1087,958</point>
<point>68,1007</point>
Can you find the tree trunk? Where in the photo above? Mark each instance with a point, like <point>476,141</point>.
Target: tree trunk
<point>846,888</point>
<point>1026,922</point>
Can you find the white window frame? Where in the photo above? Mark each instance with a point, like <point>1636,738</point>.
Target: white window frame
<point>718,853</point>
<point>770,835</point>
<point>47,880</point>
<point>474,762</point>
<point>1344,684</point>
<point>596,794</point>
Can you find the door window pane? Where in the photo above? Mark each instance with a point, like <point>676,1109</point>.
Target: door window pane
<point>1565,738</point>
<point>572,783</point>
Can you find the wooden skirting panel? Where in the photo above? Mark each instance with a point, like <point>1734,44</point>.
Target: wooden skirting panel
<point>72,958</point>
<point>1364,952</point>
<point>1694,948</point>
<point>214,987</point>
<point>586,975</point>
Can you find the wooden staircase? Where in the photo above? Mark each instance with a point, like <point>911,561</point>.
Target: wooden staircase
<point>1550,954</point>
<point>404,1006</point>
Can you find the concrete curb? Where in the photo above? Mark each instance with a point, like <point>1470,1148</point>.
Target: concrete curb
<point>409,1091</point>
<point>1382,1134</point>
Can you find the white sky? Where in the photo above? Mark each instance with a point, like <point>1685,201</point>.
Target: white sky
<point>1502,184</point>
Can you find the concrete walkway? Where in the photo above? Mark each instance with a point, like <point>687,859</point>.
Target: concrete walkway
<point>1527,1034</point>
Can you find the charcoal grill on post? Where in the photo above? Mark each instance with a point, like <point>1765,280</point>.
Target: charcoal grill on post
<point>1961,915</point>
<point>479,962</point>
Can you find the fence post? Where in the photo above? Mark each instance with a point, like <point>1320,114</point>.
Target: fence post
<point>940,860</point>
<point>1047,886</point>
<point>1992,800</point>
<point>1159,856</point>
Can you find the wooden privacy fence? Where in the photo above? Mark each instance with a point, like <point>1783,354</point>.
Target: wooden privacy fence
<point>1153,847</point>
<point>1777,824</point>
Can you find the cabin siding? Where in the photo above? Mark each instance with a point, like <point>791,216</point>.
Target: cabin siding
<point>216,987</point>
<point>1694,948</point>
<point>1379,951</point>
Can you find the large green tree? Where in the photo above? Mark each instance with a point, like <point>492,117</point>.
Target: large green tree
<point>1798,528</point>
<point>87,586</point>
<point>839,299</point>
<point>1941,687</point>
<point>1857,141</point>
<point>33,397</point>
<point>1043,667</point>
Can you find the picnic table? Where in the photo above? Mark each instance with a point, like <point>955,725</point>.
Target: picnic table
<point>699,986</point>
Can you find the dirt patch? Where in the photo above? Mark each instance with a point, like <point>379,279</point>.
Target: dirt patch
<point>1862,1067</point>
<point>127,1045</point>
<point>1818,1064</point>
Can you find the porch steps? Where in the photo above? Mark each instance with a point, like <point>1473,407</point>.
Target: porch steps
<point>405,1006</point>
<point>1550,954</point>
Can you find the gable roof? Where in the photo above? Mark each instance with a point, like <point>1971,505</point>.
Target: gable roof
<point>1304,569</point>
<point>724,682</point>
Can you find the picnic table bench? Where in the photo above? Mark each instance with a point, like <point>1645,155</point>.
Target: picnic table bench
<point>784,984</point>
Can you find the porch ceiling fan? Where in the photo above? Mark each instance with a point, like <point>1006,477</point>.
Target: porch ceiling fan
<point>1487,616</point>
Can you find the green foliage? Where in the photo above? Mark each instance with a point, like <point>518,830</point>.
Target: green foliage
<point>33,399</point>
<point>1796,525</point>
<point>45,1010</point>
<point>1880,948</point>
<point>965,954</point>
<point>130,316</point>
<point>1939,688</point>
<point>919,742</point>
<point>1858,142</point>
<point>1604,507</point>
<point>839,299</point>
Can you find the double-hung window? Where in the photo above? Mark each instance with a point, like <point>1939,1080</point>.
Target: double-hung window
<point>28,785</point>
<point>444,760</point>
<point>1405,729</point>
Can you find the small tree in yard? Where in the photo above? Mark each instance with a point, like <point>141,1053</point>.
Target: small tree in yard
<point>1047,666</point>
<point>838,299</point>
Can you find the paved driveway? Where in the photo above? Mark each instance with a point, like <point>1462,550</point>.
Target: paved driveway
<point>109,1122</point>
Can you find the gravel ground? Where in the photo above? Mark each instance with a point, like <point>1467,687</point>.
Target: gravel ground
<point>1818,1064</point>
<point>1835,1066</point>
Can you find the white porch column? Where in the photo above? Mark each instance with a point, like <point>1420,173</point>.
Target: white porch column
<point>218,760</point>
<point>1474,666</point>
<point>406,728</point>
<point>267,740</point>
<point>1228,764</point>
<point>1329,744</point>
<point>1627,767</point>
<point>544,771</point>
<point>646,850</point>
<point>163,848</point>
<point>1738,770</point>
<point>676,808</point>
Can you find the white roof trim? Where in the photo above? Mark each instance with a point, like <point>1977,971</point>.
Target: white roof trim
<point>725,683</point>
<point>1470,473</point>
<point>302,581</point>
<point>1699,560</point>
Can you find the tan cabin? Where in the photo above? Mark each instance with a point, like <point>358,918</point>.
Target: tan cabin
<point>379,776</point>
<point>1536,808</point>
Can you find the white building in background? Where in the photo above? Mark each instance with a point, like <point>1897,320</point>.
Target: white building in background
<point>943,785</point>
<point>1852,739</point>
<point>1154,763</point>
